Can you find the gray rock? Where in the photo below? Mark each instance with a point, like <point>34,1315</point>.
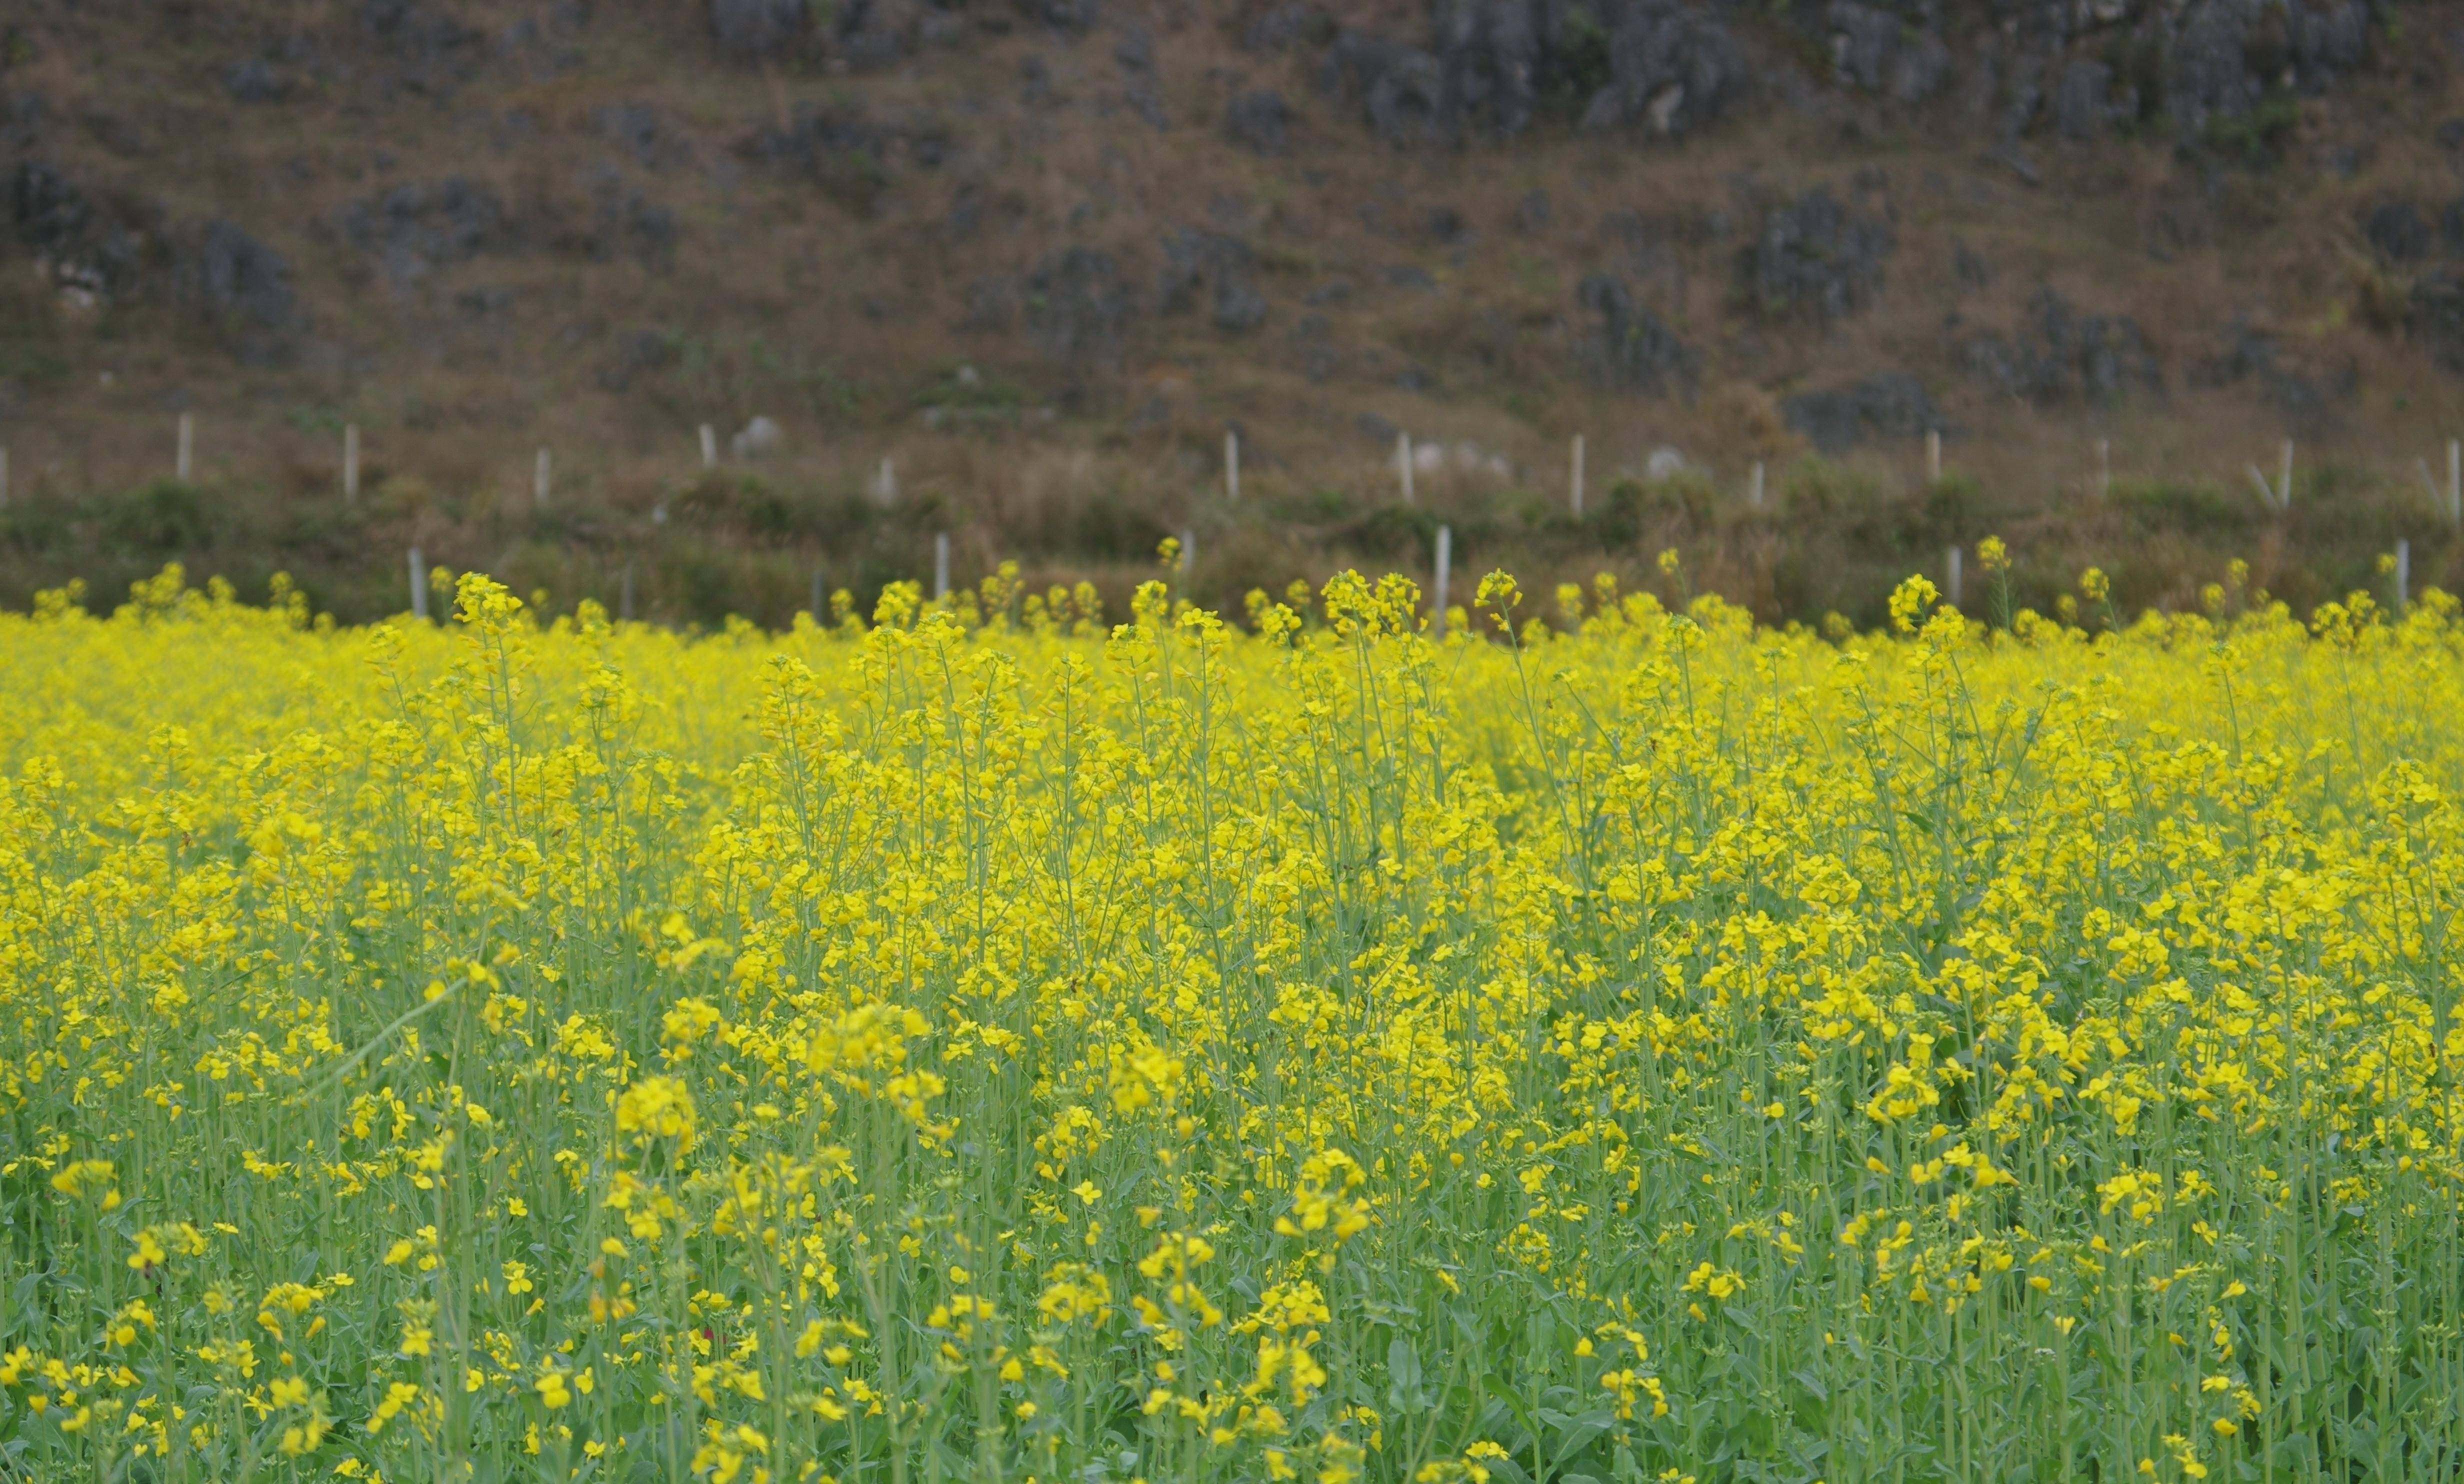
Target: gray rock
<point>1891,404</point>
<point>638,352</point>
<point>989,301</point>
<point>2397,231</point>
<point>1491,59</point>
<point>1238,307</point>
<point>966,212</point>
<point>1283,27</point>
<point>1223,265</point>
<point>1865,44</point>
<point>1816,257</point>
<point>637,129</point>
<point>1260,121</point>
<point>244,287</point>
<point>432,53</point>
<point>1079,307</point>
<point>2223,56</point>
<point>84,245</point>
<point>1664,462</point>
<point>1673,70</point>
<point>1135,52</point>
<point>758,438</point>
<point>1334,291</point>
<point>1920,70</point>
<point>751,31</point>
<point>876,35</point>
<point>1397,88</point>
<point>626,223</point>
<point>22,116</point>
<point>1828,420</point>
<point>1629,347</point>
<point>2248,355</point>
<point>1069,17</point>
<point>420,226</point>
<point>2065,356</point>
<point>2085,104</point>
<point>256,80</point>
<point>1896,405</point>
<point>2435,317</point>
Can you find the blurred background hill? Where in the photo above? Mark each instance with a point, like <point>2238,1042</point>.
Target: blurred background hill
<point>1042,255</point>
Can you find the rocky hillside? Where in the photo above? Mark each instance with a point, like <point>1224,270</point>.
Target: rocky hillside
<point>1042,255</point>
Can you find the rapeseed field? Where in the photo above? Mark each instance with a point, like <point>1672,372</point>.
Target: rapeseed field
<point>1595,1039</point>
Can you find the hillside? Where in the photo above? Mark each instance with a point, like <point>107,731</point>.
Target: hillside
<point>1043,255</point>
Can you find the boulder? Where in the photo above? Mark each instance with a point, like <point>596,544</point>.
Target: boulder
<point>1282,28</point>
<point>244,287</point>
<point>1816,257</point>
<point>1397,88</point>
<point>1221,263</point>
<point>1079,307</point>
<point>432,51</point>
<point>2085,105</point>
<point>2222,56</point>
<point>1069,17</point>
<point>638,352</point>
<point>751,31</point>
<point>1892,404</point>
<point>256,80</point>
<point>1672,70</point>
<point>2397,231</point>
<point>1628,347</point>
<point>82,245</point>
<point>758,438</point>
<point>2434,317</point>
<point>637,129</point>
<point>1260,121</point>
<point>419,227</point>
<point>2063,356</point>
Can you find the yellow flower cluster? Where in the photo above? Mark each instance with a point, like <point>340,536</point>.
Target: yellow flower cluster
<point>993,1042</point>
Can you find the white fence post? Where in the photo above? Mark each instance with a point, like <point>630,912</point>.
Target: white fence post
<point>1232,466</point>
<point>350,462</point>
<point>2104,467</point>
<point>1754,488</point>
<point>821,600</point>
<point>539,472</point>
<point>941,566</point>
<point>1933,455</point>
<point>188,445</point>
<point>418,585</point>
<point>2284,490</point>
<point>624,593</point>
<point>1446,570</point>
<point>1188,550</point>
<point>1403,463</point>
<point>2403,574</point>
<point>885,485</point>
<point>709,447</point>
<point>1955,575</point>
<point>1579,476</point>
